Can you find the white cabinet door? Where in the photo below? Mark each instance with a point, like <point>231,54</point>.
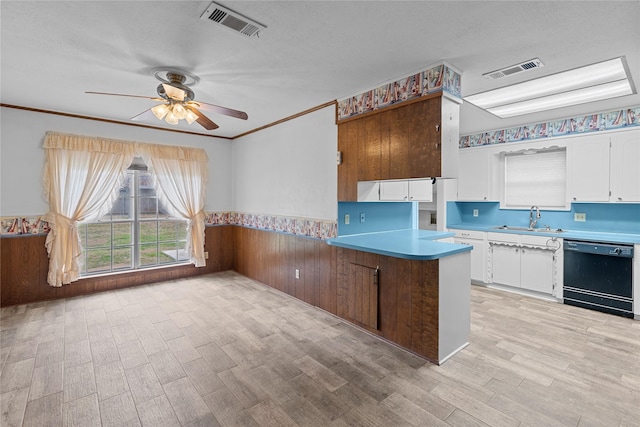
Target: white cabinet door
<point>394,191</point>
<point>625,170</point>
<point>505,266</point>
<point>589,169</point>
<point>478,258</point>
<point>368,191</point>
<point>536,270</point>
<point>473,176</point>
<point>421,190</point>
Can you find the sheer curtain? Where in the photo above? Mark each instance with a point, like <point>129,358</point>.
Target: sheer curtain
<point>81,178</point>
<point>181,175</point>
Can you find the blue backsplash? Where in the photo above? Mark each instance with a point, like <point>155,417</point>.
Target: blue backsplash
<point>602,217</point>
<point>379,216</point>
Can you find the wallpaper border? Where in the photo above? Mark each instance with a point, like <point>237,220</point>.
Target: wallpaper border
<point>304,227</point>
<point>596,122</point>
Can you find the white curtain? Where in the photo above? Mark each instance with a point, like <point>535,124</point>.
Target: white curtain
<point>181,177</point>
<point>81,178</point>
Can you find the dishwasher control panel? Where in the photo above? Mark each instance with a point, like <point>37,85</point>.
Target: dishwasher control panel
<point>599,248</point>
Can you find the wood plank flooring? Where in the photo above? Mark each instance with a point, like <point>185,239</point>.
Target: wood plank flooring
<point>226,350</point>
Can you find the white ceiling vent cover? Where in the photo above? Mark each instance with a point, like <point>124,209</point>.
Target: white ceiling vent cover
<point>525,66</point>
<point>232,20</point>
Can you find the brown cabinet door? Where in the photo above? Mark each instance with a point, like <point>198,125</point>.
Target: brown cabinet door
<point>365,282</point>
<point>348,169</point>
<point>398,144</point>
<point>424,138</point>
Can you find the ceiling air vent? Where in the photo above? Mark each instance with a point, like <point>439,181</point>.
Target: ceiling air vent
<point>513,69</point>
<point>232,20</point>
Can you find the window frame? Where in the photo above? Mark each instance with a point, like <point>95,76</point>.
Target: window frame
<point>563,205</point>
<point>136,244</point>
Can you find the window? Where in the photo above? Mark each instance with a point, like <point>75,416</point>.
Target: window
<point>536,178</point>
<point>137,232</point>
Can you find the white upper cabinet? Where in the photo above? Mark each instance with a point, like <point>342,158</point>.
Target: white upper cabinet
<point>411,190</point>
<point>625,167</point>
<point>604,168</point>
<point>473,179</point>
<point>589,169</point>
<point>394,191</point>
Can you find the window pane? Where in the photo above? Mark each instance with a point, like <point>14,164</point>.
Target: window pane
<point>148,231</point>
<point>122,234</point>
<point>148,254</point>
<point>148,207</point>
<point>182,231</point>
<point>146,184</point>
<point>163,213</point>
<point>82,231</point>
<point>98,235</point>
<point>98,260</point>
<point>169,252</point>
<point>122,208</point>
<point>167,230</point>
<point>122,258</point>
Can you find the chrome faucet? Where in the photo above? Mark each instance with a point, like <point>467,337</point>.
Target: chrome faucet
<point>533,222</point>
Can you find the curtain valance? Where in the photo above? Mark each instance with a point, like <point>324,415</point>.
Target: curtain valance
<point>118,146</point>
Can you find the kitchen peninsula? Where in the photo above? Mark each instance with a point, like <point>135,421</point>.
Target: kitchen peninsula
<point>407,287</point>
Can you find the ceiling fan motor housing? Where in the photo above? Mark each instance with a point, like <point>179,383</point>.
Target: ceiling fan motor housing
<point>176,80</point>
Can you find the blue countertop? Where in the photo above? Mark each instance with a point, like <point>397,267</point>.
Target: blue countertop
<point>408,244</point>
<point>605,237</point>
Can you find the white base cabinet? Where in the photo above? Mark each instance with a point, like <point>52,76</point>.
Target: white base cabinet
<point>526,262</point>
<point>477,239</point>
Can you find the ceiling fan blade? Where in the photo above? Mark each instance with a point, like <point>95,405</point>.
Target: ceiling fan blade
<point>220,110</point>
<point>144,116</point>
<point>173,92</point>
<point>202,120</point>
<point>130,96</point>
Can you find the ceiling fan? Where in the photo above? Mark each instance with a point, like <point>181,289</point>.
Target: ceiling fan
<point>178,100</point>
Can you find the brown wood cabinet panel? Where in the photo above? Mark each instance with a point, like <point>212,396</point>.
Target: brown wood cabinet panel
<point>371,134</point>
<point>366,295</point>
<point>424,138</point>
<point>348,169</point>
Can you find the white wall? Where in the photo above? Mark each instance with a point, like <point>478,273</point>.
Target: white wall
<point>22,157</point>
<point>289,169</point>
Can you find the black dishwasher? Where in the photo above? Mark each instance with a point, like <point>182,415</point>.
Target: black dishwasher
<point>599,276</point>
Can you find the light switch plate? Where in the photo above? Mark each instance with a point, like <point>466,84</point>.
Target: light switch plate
<point>346,219</point>
<point>361,216</point>
<point>475,212</point>
<point>579,217</point>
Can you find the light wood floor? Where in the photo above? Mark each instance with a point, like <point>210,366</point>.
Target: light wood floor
<point>226,350</point>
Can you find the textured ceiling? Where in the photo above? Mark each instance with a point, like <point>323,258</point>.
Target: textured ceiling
<point>312,52</point>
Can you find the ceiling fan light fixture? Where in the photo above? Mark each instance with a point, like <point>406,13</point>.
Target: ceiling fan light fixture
<point>179,111</point>
<point>171,118</point>
<point>191,117</point>
<point>160,111</point>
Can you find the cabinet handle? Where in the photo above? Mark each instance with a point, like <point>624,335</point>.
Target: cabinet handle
<point>411,198</point>
<point>574,199</point>
<point>619,199</point>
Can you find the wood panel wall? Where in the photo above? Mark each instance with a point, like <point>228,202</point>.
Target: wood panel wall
<point>24,265</point>
<point>272,258</point>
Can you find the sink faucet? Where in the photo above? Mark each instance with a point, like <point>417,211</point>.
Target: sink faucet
<point>533,222</point>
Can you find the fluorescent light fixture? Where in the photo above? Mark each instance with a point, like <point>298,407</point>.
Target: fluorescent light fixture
<point>603,80</point>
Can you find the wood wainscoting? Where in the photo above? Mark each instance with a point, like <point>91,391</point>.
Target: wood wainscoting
<point>273,258</point>
<point>24,265</point>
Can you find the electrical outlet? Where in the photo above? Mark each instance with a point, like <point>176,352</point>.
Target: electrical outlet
<point>580,217</point>
<point>346,219</point>
<point>297,273</point>
<point>475,212</point>
<point>206,255</point>
<point>361,217</point>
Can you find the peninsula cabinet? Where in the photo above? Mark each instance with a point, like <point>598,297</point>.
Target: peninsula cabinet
<point>399,142</point>
<point>412,303</point>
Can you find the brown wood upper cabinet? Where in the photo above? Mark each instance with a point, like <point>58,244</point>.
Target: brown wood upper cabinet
<point>397,143</point>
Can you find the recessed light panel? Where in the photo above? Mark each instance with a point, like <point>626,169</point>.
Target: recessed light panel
<point>595,82</point>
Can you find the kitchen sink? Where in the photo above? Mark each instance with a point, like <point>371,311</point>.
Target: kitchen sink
<point>541,230</point>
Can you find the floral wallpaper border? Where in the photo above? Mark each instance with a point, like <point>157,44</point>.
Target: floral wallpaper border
<point>305,227</point>
<point>609,120</point>
<point>440,78</point>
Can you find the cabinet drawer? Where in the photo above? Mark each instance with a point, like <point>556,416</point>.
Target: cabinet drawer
<point>504,237</point>
<point>469,234</point>
<point>529,240</point>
